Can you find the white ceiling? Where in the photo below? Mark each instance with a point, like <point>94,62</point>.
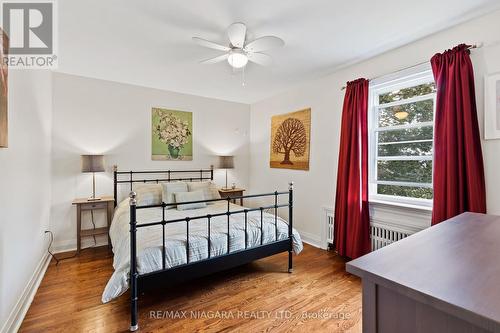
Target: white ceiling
<point>148,42</point>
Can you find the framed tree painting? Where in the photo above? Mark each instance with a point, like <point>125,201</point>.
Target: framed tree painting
<point>492,107</point>
<point>290,140</point>
<point>172,135</point>
<point>4,130</point>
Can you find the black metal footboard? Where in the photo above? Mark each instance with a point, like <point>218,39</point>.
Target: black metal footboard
<point>212,264</point>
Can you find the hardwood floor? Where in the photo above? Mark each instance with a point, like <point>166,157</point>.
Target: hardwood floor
<point>319,296</point>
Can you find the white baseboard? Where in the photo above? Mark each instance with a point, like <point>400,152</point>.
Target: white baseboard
<point>16,317</point>
<point>70,244</point>
<point>311,239</point>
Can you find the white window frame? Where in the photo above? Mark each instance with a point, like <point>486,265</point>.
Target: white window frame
<point>407,78</point>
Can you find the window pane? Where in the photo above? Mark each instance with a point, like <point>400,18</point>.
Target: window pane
<point>409,134</point>
<point>404,191</point>
<point>405,93</point>
<point>405,171</point>
<point>410,113</point>
<point>406,149</point>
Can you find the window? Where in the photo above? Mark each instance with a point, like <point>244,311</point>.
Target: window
<point>401,123</point>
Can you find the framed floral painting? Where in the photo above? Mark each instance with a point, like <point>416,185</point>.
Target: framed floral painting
<point>172,135</point>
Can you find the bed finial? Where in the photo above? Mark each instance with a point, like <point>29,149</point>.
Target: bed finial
<point>115,168</point>
<point>290,185</point>
<point>133,200</point>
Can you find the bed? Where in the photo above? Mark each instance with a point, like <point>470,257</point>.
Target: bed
<point>149,241</point>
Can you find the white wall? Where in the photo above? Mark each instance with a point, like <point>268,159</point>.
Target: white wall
<point>24,185</point>
<point>316,188</point>
<point>100,117</point>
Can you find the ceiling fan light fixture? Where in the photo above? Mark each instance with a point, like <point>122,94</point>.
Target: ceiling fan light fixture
<point>237,59</point>
<point>240,50</point>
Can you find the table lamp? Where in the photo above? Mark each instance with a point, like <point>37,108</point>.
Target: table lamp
<point>93,163</point>
<point>226,162</point>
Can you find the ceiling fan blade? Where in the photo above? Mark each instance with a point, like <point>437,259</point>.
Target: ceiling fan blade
<point>260,58</point>
<point>209,44</point>
<point>215,60</point>
<point>237,33</point>
<point>264,43</point>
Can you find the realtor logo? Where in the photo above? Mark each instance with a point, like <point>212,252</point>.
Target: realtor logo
<point>30,28</point>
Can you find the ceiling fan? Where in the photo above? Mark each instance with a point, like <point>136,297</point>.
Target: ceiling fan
<point>239,52</point>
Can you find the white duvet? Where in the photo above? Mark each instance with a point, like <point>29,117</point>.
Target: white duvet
<point>149,239</point>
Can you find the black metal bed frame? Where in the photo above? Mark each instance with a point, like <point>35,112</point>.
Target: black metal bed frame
<point>190,270</point>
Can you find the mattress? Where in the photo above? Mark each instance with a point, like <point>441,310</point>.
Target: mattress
<point>149,239</point>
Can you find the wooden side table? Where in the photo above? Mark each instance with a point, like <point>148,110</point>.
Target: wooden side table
<point>107,203</point>
<point>232,192</point>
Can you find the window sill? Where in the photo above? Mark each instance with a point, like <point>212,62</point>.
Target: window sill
<point>401,215</point>
<point>386,203</point>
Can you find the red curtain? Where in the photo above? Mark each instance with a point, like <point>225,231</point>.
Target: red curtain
<point>458,162</point>
<point>352,219</point>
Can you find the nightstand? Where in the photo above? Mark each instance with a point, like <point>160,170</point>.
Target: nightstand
<point>82,205</point>
<point>232,192</point>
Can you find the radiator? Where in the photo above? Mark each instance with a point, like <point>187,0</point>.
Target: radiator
<point>380,234</point>
<point>330,231</point>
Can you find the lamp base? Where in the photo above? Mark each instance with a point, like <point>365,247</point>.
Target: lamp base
<point>93,197</point>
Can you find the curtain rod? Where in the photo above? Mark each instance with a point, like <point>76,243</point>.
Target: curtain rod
<point>475,46</point>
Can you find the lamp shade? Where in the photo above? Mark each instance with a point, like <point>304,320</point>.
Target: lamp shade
<point>226,162</point>
<point>92,163</point>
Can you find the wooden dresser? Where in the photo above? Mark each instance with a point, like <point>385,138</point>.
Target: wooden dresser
<point>443,279</point>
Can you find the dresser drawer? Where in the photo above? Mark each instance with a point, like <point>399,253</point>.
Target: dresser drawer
<point>231,194</point>
<point>94,205</point>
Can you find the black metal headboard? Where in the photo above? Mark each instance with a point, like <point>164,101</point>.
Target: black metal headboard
<point>163,176</point>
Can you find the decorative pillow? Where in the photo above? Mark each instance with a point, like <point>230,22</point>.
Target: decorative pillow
<point>169,189</point>
<point>190,196</point>
<point>148,194</point>
<point>209,189</point>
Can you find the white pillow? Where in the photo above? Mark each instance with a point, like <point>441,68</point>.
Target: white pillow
<point>209,189</point>
<point>190,196</point>
<point>168,190</point>
<point>148,194</point>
